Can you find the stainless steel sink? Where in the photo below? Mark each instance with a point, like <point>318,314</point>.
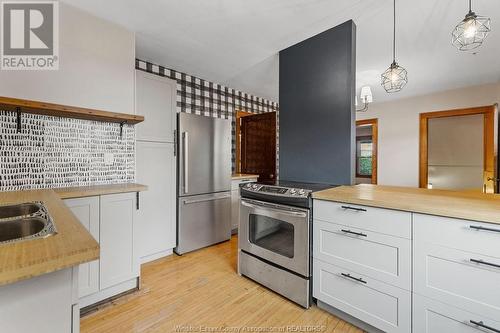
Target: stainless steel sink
<point>30,220</point>
<point>19,210</point>
<point>20,229</point>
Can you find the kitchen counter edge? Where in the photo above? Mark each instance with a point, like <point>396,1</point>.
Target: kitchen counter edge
<point>466,205</point>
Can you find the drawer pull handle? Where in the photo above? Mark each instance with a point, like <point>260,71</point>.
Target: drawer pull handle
<point>477,227</point>
<point>354,233</point>
<point>353,278</point>
<point>354,208</point>
<point>481,324</point>
<point>482,262</point>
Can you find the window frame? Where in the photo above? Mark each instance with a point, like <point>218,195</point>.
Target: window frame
<point>358,139</point>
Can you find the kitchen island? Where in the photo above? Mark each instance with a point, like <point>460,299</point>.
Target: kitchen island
<point>40,277</point>
<point>400,259</point>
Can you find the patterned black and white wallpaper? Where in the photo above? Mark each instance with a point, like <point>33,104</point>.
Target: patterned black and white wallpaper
<point>61,152</point>
<point>198,96</point>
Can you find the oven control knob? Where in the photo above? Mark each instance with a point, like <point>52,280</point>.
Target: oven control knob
<point>293,191</point>
<point>254,186</point>
<point>302,192</point>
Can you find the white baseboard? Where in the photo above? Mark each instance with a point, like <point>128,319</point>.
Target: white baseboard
<point>155,256</point>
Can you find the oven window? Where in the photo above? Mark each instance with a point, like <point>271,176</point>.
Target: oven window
<point>272,234</point>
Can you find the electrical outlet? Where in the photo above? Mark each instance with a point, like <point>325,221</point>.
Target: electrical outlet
<point>109,158</point>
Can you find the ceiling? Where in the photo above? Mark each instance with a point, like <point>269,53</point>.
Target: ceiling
<point>236,42</point>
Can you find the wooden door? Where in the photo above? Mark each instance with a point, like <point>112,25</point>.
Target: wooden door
<point>258,146</point>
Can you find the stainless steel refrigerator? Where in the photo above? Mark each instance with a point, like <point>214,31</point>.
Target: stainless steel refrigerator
<point>203,181</point>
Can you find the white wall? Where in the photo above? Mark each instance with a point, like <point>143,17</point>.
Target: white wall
<point>398,132</point>
<point>96,69</point>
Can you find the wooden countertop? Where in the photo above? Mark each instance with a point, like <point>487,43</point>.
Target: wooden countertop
<point>464,205</point>
<point>238,176</point>
<point>71,246</point>
<point>90,191</point>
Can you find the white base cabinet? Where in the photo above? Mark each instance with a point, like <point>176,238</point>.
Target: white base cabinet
<point>381,305</point>
<point>87,212</point>
<point>430,316</point>
<point>43,304</point>
<point>235,201</point>
<point>118,262</point>
<point>111,221</point>
<point>362,266</point>
<point>384,257</point>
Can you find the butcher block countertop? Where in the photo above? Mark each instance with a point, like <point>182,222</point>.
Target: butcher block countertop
<point>90,191</point>
<point>463,205</point>
<point>71,246</point>
<point>238,176</point>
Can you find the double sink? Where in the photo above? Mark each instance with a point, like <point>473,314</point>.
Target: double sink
<point>25,221</point>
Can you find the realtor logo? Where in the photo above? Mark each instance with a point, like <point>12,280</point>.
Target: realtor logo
<point>30,35</point>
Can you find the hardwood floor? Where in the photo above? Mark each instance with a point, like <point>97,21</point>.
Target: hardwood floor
<point>201,291</point>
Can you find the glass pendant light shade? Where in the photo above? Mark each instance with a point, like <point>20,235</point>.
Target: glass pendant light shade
<point>471,32</point>
<point>394,78</point>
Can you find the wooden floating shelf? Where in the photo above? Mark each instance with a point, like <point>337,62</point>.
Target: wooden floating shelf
<point>58,110</point>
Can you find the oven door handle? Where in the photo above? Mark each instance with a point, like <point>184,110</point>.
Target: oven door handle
<point>272,207</point>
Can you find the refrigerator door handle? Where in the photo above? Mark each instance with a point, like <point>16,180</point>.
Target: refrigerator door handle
<point>188,202</point>
<point>185,142</point>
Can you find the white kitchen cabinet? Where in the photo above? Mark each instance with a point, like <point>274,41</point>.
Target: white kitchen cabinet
<point>445,272</point>
<point>362,263</point>
<point>235,200</point>
<point>381,305</point>
<point>87,212</point>
<point>43,304</point>
<point>383,221</point>
<point>455,272</point>
<point>156,219</point>
<point>156,101</point>
<point>383,257</point>
<point>471,236</point>
<point>118,261</point>
<point>430,316</point>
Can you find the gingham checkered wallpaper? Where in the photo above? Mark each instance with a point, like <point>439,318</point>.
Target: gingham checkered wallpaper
<point>198,96</point>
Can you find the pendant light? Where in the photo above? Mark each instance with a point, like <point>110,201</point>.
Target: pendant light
<point>395,77</point>
<point>471,31</point>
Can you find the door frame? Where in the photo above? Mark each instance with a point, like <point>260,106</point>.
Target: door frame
<point>239,115</point>
<point>374,123</point>
<point>488,142</point>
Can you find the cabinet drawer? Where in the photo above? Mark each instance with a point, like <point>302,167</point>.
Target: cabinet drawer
<point>386,221</point>
<point>382,257</point>
<point>430,316</point>
<point>450,276</point>
<point>483,238</point>
<point>383,306</point>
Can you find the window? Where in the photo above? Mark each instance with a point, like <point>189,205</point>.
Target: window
<point>364,155</point>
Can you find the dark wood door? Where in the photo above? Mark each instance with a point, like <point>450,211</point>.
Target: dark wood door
<point>258,146</point>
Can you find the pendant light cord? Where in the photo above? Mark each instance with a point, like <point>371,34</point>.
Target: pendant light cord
<point>394,34</point>
<point>470,6</point>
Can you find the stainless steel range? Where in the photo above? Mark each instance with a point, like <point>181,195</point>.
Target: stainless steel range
<point>275,237</point>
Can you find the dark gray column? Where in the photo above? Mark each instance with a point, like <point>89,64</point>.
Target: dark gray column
<point>317,113</point>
